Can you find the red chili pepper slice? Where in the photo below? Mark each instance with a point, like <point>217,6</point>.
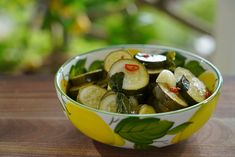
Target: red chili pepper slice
<point>131,67</point>
<point>207,94</point>
<point>145,55</point>
<point>174,89</point>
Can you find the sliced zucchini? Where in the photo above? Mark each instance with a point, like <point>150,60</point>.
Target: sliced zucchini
<point>141,98</point>
<point>153,74</point>
<point>169,99</point>
<point>73,91</point>
<point>163,108</point>
<point>151,61</point>
<point>102,83</point>
<point>157,105</point>
<point>166,76</point>
<point>92,76</point>
<point>136,77</point>
<point>108,102</point>
<point>91,95</point>
<point>159,108</point>
<point>114,56</point>
<point>192,89</point>
<point>146,109</point>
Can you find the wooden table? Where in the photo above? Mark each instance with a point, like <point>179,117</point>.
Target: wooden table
<point>33,124</point>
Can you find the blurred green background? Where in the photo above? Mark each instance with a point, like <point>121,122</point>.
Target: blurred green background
<point>37,36</point>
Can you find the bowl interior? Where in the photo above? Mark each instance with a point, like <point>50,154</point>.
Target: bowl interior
<point>100,54</point>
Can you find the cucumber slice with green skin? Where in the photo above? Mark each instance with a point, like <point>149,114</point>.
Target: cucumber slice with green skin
<point>151,61</point>
<point>136,77</point>
<point>114,56</point>
<point>170,100</point>
<point>192,89</point>
<point>91,95</point>
<point>92,76</point>
<point>108,102</point>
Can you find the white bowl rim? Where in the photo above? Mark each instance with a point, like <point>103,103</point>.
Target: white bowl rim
<point>219,76</point>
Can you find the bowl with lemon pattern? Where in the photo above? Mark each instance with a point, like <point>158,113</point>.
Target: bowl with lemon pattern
<point>138,96</point>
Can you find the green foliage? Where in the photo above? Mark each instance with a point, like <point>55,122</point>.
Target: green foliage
<point>123,103</point>
<point>74,27</point>
<point>195,67</point>
<point>202,9</point>
<point>78,68</point>
<point>116,82</point>
<point>96,65</point>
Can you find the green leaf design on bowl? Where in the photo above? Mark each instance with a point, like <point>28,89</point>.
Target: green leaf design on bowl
<point>143,131</point>
<point>179,128</point>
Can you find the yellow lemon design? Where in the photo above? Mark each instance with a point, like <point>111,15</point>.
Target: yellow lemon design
<point>198,120</point>
<point>92,125</point>
<point>64,85</point>
<point>209,79</point>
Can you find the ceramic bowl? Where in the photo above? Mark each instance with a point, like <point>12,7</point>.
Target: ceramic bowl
<point>134,130</point>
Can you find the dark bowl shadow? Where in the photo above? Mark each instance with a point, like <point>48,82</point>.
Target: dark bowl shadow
<point>169,151</point>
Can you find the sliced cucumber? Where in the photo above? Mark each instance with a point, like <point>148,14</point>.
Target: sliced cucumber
<point>192,89</point>
<point>108,102</point>
<point>135,80</point>
<point>92,76</point>
<point>151,61</point>
<point>115,56</point>
<point>91,95</point>
<point>170,100</point>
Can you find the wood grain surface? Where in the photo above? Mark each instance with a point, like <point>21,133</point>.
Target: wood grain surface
<point>33,124</point>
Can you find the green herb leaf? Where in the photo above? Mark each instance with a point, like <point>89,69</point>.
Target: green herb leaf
<point>171,60</point>
<point>195,67</point>
<point>179,60</point>
<point>96,65</point>
<point>143,131</point>
<point>78,68</point>
<point>174,59</point>
<point>123,103</point>
<point>116,81</point>
<point>72,72</point>
<point>179,128</point>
